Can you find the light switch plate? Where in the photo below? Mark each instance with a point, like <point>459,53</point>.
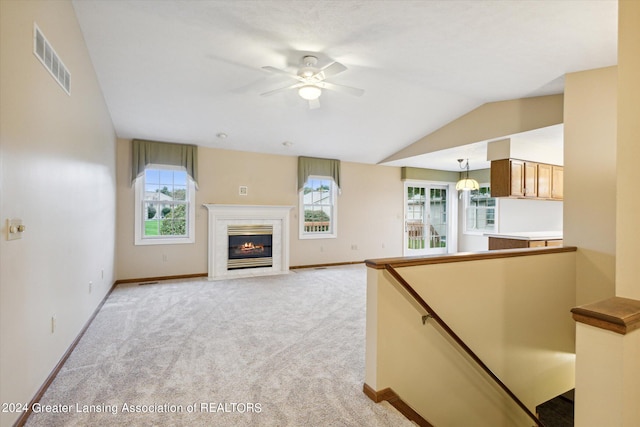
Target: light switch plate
<point>244,190</point>
<point>12,229</point>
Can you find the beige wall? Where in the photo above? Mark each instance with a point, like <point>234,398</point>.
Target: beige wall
<point>57,173</point>
<point>607,378</point>
<point>421,174</point>
<point>607,366</point>
<point>628,232</point>
<point>590,179</point>
<point>501,309</point>
<point>369,211</point>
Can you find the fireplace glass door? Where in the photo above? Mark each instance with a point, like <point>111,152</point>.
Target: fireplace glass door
<point>250,246</point>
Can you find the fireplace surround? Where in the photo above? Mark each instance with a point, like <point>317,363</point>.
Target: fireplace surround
<point>232,255</point>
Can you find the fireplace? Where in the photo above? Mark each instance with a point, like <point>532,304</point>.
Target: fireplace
<point>250,246</point>
<point>248,240</point>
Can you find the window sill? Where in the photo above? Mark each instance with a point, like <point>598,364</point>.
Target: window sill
<point>167,241</point>
<point>317,236</point>
<point>477,233</point>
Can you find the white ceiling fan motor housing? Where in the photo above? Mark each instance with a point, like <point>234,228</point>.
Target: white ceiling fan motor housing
<point>308,69</point>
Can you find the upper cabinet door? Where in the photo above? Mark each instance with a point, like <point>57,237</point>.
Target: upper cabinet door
<point>517,178</point>
<point>530,179</point>
<point>544,181</point>
<point>557,186</point>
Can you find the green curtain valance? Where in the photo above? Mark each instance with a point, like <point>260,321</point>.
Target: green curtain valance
<point>163,153</point>
<point>308,166</point>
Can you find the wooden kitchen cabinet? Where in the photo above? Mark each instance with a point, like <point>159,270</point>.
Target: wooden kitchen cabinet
<point>536,244</point>
<point>519,178</point>
<point>496,243</point>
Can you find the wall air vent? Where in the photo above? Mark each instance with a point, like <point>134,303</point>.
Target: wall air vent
<point>50,59</point>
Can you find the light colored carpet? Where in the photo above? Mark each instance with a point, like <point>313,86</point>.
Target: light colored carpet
<point>274,351</point>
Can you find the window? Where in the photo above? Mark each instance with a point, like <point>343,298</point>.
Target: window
<point>318,206</point>
<point>480,210</point>
<point>164,210</point>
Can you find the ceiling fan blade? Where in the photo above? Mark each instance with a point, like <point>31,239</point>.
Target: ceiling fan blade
<point>282,89</point>
<point>314,103</point>
<point>282,72</point>
<point>328,71</point>
<point>341,88</point>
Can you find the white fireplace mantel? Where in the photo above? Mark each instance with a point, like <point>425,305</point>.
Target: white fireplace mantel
<point>221,216</point>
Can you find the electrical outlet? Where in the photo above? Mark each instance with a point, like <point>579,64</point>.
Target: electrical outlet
<point>354,247</point>
<point>164,257</point>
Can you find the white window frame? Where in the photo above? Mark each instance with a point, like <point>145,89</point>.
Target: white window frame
<point>467,206</point>
<point>140,211</point>
<point>333,232</point>
<point>452,215</point>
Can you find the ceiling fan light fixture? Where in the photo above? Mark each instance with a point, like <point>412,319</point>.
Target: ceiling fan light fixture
<point>309,92</point>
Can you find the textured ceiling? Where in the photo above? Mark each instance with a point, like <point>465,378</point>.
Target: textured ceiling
<point>186,71</point>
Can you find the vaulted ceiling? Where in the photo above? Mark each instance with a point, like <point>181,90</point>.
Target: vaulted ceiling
<point>191,71</point>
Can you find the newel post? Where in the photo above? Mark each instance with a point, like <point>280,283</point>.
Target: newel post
<point>608,363</point>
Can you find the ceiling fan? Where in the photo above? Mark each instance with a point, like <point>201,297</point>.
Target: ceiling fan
<point>311,80</point>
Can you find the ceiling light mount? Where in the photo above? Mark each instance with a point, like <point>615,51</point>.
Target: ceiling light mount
<point>308,68</point>
<point>309,60</point>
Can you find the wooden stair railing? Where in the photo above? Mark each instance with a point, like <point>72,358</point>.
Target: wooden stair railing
<point>433,315</point>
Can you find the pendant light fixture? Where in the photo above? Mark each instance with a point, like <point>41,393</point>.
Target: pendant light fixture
<point>466,183</point>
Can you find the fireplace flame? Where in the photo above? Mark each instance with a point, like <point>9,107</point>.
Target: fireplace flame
<point>251,247</point>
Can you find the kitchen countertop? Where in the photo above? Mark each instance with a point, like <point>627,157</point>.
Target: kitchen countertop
<point>528,235</point>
